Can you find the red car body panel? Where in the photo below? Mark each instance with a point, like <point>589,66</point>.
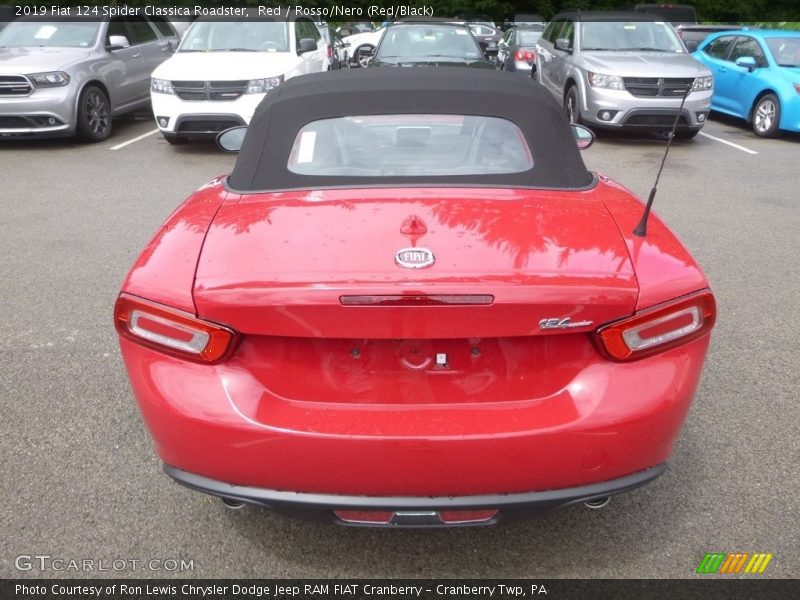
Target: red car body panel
<point>220,421</point>
<point>664,268</point>
<point>320,397</point>
<point>164,272</point>
<point>539,254</point>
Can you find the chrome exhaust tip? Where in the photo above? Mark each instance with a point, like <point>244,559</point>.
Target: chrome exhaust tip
<point>598,503</point>
<point>232,504</point>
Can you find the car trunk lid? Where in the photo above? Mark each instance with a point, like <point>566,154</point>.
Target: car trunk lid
<point>324,264</point>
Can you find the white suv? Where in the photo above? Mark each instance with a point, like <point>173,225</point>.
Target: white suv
<point>223,69</point>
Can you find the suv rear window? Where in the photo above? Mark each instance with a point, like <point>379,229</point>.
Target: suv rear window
<point>409,145</point>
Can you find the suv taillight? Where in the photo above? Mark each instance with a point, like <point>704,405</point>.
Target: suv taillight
<point>659,328</point>
<point>172,331</point>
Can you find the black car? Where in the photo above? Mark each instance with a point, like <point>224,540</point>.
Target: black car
<point>487,36</point>
<point>517,50</point>
<point>429,45</point>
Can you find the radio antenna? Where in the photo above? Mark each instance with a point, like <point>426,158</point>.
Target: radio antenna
<point>641,228</point>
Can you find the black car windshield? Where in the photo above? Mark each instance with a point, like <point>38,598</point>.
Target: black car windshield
<point>32,33</point>
<point>785,50</point>
<point>409,145</point>
<point>640,36</point>
<point>420,41</point>
<point>237,36</point>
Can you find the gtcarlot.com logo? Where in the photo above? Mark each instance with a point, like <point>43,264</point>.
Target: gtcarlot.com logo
<point>734,562</point>
<point>46,562</point>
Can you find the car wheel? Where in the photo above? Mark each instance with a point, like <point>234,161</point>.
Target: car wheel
<point>767,116</point>
<point>361,55</point>
<point>94,115</point>
<point>571,105</point>
<point>175,139</point>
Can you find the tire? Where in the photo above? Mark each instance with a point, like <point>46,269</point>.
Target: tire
<point>94,115</point>
<point>686,135</point>
<point>175,140</point>
<point>767,116</point>
<point>571,104</point>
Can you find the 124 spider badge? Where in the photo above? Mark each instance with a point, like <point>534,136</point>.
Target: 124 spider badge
<point>562,323</point>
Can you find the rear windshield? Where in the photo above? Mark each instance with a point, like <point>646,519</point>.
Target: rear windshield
<point>409,145</point>
<point>529,38</point>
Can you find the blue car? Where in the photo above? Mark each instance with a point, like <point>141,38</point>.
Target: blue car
<point>756,77</point>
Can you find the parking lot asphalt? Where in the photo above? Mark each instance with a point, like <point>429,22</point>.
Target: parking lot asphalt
<point>80,479</point>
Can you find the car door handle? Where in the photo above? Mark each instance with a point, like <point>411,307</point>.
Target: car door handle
<point>723,70</point>
<point>137,55</point>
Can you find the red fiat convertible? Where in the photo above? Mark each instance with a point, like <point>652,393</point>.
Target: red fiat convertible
<point>410,304</point>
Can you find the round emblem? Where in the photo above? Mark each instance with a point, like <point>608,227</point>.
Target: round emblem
<point>414,258</point>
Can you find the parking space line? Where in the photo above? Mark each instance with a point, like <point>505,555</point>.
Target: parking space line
<point>731,144</point>
<point>136,139</point>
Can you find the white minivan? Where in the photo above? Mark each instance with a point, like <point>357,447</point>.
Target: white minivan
<point>222,70</point>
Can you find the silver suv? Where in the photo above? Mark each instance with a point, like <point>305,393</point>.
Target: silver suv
<point>623,70</point>
<point>71,77</point>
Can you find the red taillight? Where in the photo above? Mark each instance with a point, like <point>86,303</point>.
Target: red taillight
<point>172,331</point>
<point>658,329</point>
<point>528,55</point>
<point>330,52</point>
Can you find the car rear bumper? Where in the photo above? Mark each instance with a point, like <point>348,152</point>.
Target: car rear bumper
<point>631,112</point>
<point>222,423</point>
<point>520,66</point>
<point>414,511</point>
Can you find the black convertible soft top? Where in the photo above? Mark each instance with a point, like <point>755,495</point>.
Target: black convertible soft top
<point>262,161</point>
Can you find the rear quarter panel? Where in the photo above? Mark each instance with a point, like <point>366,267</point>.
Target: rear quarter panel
<point>664,268</point>
<point>165,270</point>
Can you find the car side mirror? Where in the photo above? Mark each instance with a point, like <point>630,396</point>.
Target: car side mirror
<point>563,44</point>
<point>117,42</point>
<point>344,32</point>
<point>746,62</point>
<point>306,45</point>
<point>583,136</point>
<point>231,139</point>
<point>173,45</point>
